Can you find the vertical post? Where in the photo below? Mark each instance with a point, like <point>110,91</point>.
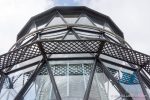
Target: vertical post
<point>145,78</point>
<point>67,78</point>
<point>84,76</point>
<point>142,85</point>
<point>53,81</point>
<point>28,83</point>
<point>49,72</point>
<point>87,92</point>
<point>2,79</point>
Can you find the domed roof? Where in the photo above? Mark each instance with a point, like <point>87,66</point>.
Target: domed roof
<point>71,14</point>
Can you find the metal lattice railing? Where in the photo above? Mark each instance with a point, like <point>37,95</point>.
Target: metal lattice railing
<point>74,46</point>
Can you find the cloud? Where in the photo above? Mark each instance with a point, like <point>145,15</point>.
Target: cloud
<point>14,15</point>
<point>132,16</point>
<point>77,1</point>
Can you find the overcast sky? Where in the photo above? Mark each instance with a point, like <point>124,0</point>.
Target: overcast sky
<point>131,16</point>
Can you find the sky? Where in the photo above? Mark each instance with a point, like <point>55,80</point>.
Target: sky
<point>131,16</point>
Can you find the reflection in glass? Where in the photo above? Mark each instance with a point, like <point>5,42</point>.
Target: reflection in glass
<point>32,28</point>
<point>8,94</point>
<point>128,79</point>
<point>114,60</point>
<point>13,84</point>
<point>54,35</point>
<point>107,27</point>
<point>84,20</point>
<point>57,20</point>
<point>102,88</point>
<point>70,55</point>
<point>72,77</point>
<point>41,88</point>
<point>86,35</point>
<point>147,90</point>
<point>71,19</point>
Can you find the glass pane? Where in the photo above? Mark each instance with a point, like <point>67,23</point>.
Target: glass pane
<point>8,94</point>
<point>54,35</point>
<point>13,84</point>
<point>41,26</point>
<point>114,60</point>
<point>84,20</point>
<point>107,27</point>
<point>20,79</point>
<point>99,25</point>
<point>102,88</point>
<point>71,55</point>
<point>28,39</point>
<point>72,77</point>
<point>70,36</point>
<point>57,20</point>
<point>41,88</point>
<point>87,35</point>
<point>147,89</point>
<point>113,38</point>
<point>30,61</point>
<point>71,19</point>
<point>33,28</point>
<point>135,91</point>
<point>87,28</point>
<point>128,80</point>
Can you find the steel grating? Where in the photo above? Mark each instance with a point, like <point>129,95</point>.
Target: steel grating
<point>74,46</point>
<point>71,46</point>
<point>126,54</point>
<point>147,67</point>
<point>19,55</point>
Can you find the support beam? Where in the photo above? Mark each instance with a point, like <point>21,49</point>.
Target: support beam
<point>53,81</point>
<point>79,38</point>
<point>2,79</point>
<point>28,83</point>
<point>87,92</point>
<point>145,79</point>
<point>50,72</point>
<point>42,50</point>
<point>121,90</point>
<point>101,45</point>
<point>142,85</point>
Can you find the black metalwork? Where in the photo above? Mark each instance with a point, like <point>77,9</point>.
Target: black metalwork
<point>31,79</point>
<point>74,46</point>
<point>143,87</point>
<point>53,81</point>
<point>2,79</point>
<point>44,17</point>
<point>87,92</point>
<point>123,92</point>
<point>86,37</point>
<point>145,79</point>
<point>119,65</point>
<point>49,72</point>
<point>22,68</point>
